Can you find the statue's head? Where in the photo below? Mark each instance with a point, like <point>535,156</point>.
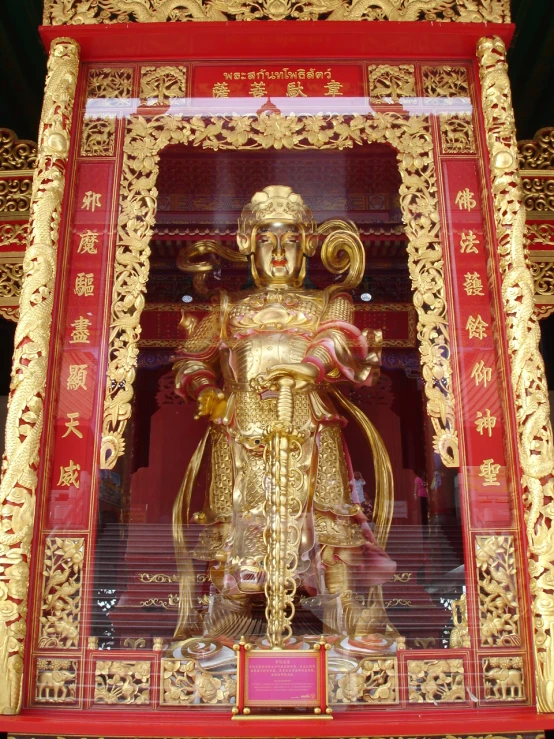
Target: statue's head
<point>278,231</point>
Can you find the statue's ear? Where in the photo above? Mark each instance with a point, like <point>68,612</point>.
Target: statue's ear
<point>243,242</point>
<point>57,676</point>
<point>311,244</point>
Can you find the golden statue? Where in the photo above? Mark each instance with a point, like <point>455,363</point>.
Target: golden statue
<point>282,531</point>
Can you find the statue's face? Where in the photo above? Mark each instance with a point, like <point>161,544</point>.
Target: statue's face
<point>278,254</point>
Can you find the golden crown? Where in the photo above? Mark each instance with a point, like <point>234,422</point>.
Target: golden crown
<point>276,203</point>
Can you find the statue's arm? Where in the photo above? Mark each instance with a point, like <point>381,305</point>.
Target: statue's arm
<point>196,361</point>
<point>340,350</point>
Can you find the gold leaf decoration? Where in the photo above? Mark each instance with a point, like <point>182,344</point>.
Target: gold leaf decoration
<point>98,137</point>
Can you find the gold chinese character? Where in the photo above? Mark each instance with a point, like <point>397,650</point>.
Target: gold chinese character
<point>473,284</point>
<point>220,90</point>
<point>71,425</point>
<point>92,200</point>
<point>88,242</point>
<point>69,475</point>
<point>80,333</point>
<point>485,422</point>
<point>480,373</point>
<point>489,472</point>
<point>465,199</point>
<point>77,376</point>
<point>84,284</point>
<point>333,88</point>
<point>295,90</point>
<point>257,89</point>
<point>468,243</point>
<point>476,327</point>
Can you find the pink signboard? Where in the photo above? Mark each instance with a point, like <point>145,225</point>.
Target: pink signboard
<point>282,678</point>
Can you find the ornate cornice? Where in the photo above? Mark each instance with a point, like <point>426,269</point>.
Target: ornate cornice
<point>78,12</point>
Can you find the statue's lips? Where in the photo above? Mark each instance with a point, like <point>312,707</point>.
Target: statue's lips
<point>278,262</point>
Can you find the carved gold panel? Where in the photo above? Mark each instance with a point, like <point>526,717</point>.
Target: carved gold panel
<point>98,137</point>
<point>185,682</point>
<point>122,682</point>
<point>413,140</point>
<point>436,680</point>
<point>503,678</point>
<point>375,681</point>
<point>159,84</point>
<point>57,12</point>
<point>15,194</point>
<point>56,680</point>
<point>456,131</point>
<point>391,81</point>
<point>497,585</point>
<point>445,82</point>
<point>110,82</point>
<point>60,613</point>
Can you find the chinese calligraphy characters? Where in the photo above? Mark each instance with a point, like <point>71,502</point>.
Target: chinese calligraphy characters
<point>84,284</point>
<point>77,376</point>
<point>476,327</point>
<point>92,200</point>
<point>69,475</point>
<point>481,374</point>
<point>485,422</point>
<point>72,425</point>
<point>465,200</point>
<point>81,332</point>
<point>88,242</point>
<point>469,243</point>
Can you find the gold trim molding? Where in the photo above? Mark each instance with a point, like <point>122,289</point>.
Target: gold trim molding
<point>412,139</point>
<point>32,337</point>
<point>77,12</point>
<point>536,450</point>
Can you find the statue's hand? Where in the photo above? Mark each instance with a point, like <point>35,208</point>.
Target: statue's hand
<point>211,402</point>
<point>303,374</point>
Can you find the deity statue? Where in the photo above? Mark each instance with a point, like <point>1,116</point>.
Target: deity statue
<point>282,532</point>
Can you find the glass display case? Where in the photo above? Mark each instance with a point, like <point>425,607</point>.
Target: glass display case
<point>291,387</point>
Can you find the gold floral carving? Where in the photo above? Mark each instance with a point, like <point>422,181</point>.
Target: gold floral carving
<point>11,276</point>
<point>185,682</point>
<point>60,611</point>
<point>159,84</point>
<point>110,82</point>
<point>134,643</point>
<point>436,680</point>
<point>538,152</point>
<point>15,153</point>
<point>411,137</point>
<point>374,682</point>
<point>15,195</point>
<point>98,137</point>
<point>445,82</point>
<point>542,270</point>
<point>457,133</point>
<point>14,234</point>
<point>388,81</point>
<point>121,682</point>
<point>497,585</point>
<point>544,311</point>
<point>503,679</point>
<point>536,451</point>
<point>538,191</point>
<point>58,12</point>
<point>56,681</point>
<point>30,363</point>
